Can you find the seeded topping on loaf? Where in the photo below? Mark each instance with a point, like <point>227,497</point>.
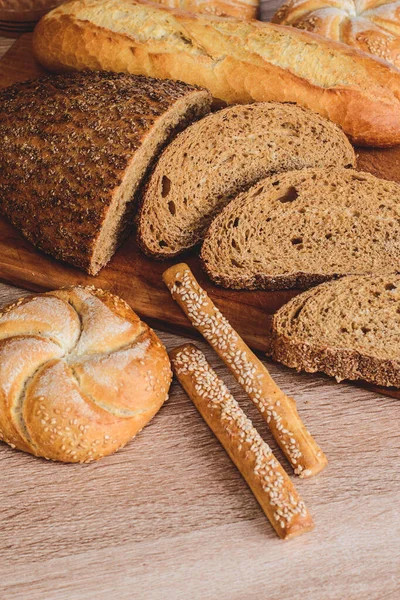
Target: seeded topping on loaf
<point>74,149</point>
<point>300,228</point>
<point>213,160</point>
<point>349,329</point>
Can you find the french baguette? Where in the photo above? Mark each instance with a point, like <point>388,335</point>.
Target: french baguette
<point>241,9</point>
<point>237,61</point>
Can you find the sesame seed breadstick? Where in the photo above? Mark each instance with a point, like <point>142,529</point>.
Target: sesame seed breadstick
<point>278,410</point>
<point>253,457</point>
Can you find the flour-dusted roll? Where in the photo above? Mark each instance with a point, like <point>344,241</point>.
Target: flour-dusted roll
<point>74,149</point>
<point>370,25</point>
<point>237,61</point>
<point>80,374</point>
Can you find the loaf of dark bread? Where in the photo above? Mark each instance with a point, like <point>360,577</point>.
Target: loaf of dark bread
<point>349,329</point>
<point>74,149</point>
<point>301,228</point>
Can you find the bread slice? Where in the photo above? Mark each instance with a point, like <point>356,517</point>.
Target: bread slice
<point>213,160</point>
<point>349,329</point>
<point>301,228</point>
<point>74,149</point>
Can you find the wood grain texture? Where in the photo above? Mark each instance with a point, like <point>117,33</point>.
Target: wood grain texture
<point>169,517</point>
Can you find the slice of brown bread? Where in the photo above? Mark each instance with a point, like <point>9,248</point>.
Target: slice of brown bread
<point>300,228</point>
<point>73,151</point>
<point>349,329</point>
<point>223,154</point>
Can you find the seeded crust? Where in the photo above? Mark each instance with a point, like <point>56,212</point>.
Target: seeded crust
<point>74,149</point>
<point>302,228</point>
<point>225,153</point>
<point>253,457</point>
<point>278,410</point>
<point>81,374</point>
<point>348,329</point>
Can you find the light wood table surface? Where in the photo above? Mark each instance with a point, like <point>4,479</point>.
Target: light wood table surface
<point>169,517</point>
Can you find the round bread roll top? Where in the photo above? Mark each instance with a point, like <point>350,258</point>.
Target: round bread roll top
<point>372,26</point>
<point>80,374</point>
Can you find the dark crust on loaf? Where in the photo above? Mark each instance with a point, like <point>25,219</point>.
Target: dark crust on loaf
<point>299,281</point>
<point>66,142</point>
<point>339,362</point>
<point>336,362</point>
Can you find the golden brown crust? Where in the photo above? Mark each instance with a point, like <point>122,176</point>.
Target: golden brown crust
<point>278,410</point>
<point>240,9</point>
<point>236,61</point>
<point>80,374</point>
<point>253,457</point>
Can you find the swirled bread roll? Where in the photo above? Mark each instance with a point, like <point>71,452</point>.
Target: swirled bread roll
<point>80,374</point>
<point>371,25</point>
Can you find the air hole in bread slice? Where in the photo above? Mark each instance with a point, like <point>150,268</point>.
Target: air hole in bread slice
<point>166,186</point>
<point>296,241</point>
<point>289,195</point>
<point>236,264</point>
<point>172,208</point>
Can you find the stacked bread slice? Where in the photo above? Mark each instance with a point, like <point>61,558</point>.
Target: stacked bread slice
<point>301,228</point>
<point>225,153</point>
<point>349,329</point>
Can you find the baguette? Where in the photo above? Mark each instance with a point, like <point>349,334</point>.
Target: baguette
<point>278,410</point>
<point>253,457</point>
<point>237,61</point>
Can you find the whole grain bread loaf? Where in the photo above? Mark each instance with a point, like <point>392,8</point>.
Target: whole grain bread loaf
<point>74,149</point>
<point>223,154</point>
<point>238,61</point>
<point>300,228</point>
<point>349,329</point>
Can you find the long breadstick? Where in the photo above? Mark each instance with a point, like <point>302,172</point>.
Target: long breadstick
<point>253,457</point>
<point>278,410</point>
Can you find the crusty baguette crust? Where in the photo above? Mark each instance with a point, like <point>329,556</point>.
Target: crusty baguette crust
<point>80,374</point>
<point>237,61</point>
<point>253,457</point>
<point>278,410</point>
<point>338,362</point>
<point>240,9</point>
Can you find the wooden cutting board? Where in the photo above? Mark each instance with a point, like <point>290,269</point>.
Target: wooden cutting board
<point>133,276</point>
